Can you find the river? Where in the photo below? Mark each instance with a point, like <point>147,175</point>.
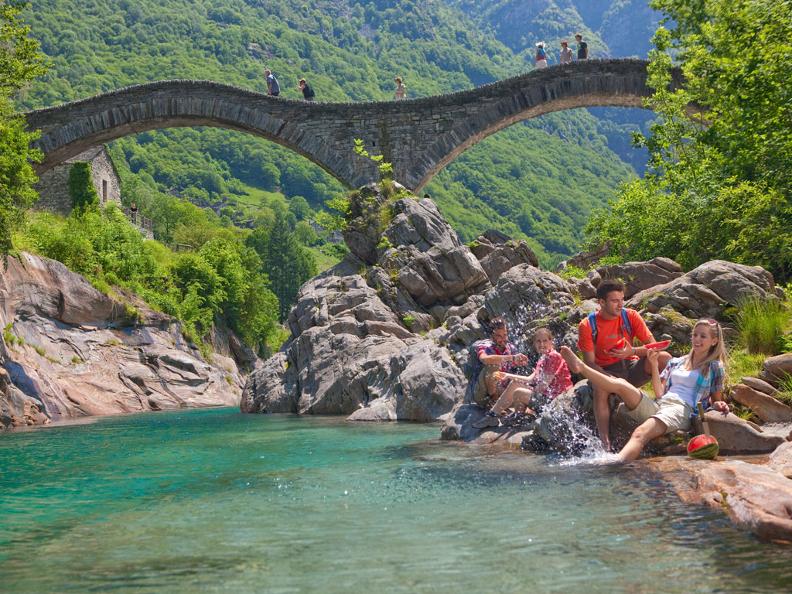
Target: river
<point>216,501</point>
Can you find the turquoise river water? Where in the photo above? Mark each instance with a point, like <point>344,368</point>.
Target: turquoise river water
<point>217,501</point>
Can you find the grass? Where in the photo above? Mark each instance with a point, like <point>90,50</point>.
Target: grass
<point>785,390</point>
<point>572,272</point>
<point>762,324</point>
<point>741,364</point>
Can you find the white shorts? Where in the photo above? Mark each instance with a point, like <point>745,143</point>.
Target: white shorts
<point>672,412</point>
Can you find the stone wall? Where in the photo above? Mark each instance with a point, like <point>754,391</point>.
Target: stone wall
<point>419,136</point>
<point>53,185</point>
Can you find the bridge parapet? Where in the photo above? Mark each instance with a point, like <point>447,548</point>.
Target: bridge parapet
<point>419,136</point>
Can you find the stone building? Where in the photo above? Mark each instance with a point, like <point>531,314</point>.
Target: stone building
<point>53,186</point>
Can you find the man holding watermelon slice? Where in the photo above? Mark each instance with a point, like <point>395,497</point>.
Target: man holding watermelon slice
<point>606,340</point>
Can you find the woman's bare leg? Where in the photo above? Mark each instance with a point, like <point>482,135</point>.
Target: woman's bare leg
<point>645,433</point>
<point>629,394</point>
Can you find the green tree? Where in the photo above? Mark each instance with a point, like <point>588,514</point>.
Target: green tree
<point>720,181</point>
<point>287,264</point>
<point>20,62</point>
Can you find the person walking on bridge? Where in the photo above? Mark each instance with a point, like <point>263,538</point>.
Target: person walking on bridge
<point>582,47</point>
<point>273,88</point>
<point>566,53</point>
<point>307,91</point>
<point>401,91</point>
<point>541,55</point>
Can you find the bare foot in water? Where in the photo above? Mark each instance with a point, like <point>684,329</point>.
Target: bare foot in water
<point>575,365</point>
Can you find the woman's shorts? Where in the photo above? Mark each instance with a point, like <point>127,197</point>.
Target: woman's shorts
<point>673,413</point>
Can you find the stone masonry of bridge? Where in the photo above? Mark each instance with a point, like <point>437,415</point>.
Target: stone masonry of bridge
<point>418,136</point>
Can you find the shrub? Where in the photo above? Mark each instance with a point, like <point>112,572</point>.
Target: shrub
<point>761,324</point>
<point>81,187</point>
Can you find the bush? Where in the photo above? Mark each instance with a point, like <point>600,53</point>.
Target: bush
<point>81,188</point>
<point>761,324</point>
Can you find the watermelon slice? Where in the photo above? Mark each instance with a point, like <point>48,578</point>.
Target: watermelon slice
<point>703,447</point>
<point>663,344</point>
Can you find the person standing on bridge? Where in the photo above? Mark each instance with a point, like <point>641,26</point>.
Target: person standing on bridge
<point>582,47</point>
<point>401,91</point>
<point>541,55</point>
<point>273,88</point>
<point>307,91</point>
<point>566,53</point>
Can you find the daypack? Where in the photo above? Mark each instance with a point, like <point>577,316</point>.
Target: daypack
<point>592,318</point>
<point>473,369</point>
<point>540,54</point>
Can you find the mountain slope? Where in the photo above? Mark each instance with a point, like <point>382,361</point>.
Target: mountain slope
<point>539,179</point>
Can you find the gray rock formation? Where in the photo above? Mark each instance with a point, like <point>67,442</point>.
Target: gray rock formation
<point>384,335</point>
<point>350,352</point>
<point>707,291</point>
<point>70,351</point>
<point>638,276</point>
<point>498,253</point>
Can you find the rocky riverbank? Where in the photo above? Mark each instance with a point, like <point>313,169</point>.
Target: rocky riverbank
<point>383,336</point>
<point>70,351</point>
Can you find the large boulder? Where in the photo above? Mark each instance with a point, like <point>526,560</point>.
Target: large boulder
<point>707,291</point>
<point>763,405</point>
<point>348,352</point>
<point>638,276</point>
<point>736,436</point>
<point>70,351</point>
<point>776,369</point>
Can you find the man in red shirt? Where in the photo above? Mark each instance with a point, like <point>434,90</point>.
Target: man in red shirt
<point>611,350</point>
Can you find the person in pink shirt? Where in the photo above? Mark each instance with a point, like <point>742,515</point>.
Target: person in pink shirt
<point>530,393</point>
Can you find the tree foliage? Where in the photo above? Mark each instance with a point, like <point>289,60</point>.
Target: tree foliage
<point>721,158</point>
<point>20,62</point>
<point>349,51</point>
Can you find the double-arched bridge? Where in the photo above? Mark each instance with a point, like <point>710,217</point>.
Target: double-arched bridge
<point>418,136</point>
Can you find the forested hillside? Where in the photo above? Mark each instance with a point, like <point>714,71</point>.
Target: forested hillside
<point>540,179</point>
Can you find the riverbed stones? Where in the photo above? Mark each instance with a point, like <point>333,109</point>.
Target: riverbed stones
<point>736,436</point>
<point>759,385</point>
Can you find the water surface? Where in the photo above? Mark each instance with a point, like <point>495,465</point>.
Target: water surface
<point>217,501</point>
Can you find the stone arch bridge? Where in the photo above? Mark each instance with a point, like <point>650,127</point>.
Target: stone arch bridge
<point>419,136</point>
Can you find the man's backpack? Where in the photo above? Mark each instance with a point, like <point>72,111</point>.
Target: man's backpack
<point>473,369</point>
<point>592,318</point>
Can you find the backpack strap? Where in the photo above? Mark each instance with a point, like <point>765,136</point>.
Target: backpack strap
<point>592,318</point>
<point>626,323</point>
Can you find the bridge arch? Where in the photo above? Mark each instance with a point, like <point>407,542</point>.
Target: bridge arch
<point>419,137</point>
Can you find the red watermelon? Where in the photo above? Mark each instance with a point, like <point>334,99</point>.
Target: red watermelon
<point>703,447</point>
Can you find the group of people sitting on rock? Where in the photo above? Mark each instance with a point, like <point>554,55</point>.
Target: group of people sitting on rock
<point>615,367</point>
